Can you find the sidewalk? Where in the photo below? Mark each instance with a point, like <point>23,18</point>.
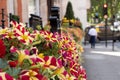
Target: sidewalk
<point>102,63</point>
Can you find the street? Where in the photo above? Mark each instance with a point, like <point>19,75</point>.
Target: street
<point>102,63</point>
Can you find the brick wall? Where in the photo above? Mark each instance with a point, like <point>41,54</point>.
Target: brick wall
<point>3,5</point>
<point>19,9</point>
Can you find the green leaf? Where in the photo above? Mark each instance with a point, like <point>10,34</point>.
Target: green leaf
<point>55,78</point>
<point>47,72</point>
<point>14,71</point>
<point>26,64</point>
<point>35,43</point>
<point>35,66</point>
<point>3,63</point>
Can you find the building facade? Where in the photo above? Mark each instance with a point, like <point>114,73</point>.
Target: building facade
<point>23,9</point>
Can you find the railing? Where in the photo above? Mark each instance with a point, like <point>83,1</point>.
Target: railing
<point>10,17</point>
<point>3,20</point>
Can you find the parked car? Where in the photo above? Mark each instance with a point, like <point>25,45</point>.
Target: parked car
<point>109,33</point>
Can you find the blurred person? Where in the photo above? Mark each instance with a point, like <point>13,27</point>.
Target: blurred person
<point>93,35</point>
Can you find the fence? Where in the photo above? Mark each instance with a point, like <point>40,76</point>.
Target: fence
<point>10,17</point>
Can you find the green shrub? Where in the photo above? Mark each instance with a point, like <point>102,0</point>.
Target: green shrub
<point>69,11</point>
<point>15,18</point>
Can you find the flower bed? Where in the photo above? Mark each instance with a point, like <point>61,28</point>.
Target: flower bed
<point>38,55</point>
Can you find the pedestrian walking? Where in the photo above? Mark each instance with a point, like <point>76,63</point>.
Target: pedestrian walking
<point>93,35</point>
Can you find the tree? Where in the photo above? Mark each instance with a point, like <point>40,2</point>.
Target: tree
<point>97,7</point>
<point>69,11</point>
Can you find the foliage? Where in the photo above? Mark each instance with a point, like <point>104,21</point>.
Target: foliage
<point>97,7</point>
<point>15,17</point>
<point>38,55</point>
<point>69,11</point>
<point>75,23</point>
<point>75,32</point>
<point>78,24</point>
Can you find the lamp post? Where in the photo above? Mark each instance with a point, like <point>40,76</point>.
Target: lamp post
<point>113,20</point>
<point>106,31</point>
<point>105,14</point>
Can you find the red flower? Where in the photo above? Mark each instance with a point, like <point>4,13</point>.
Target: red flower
<point>25,77</point>
<point>41,77</point>
<point>13,63</point>
<point>2,49</point>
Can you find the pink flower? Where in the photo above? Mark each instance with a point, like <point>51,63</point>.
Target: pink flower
<point>13,49</point>
<point>33,50</point>
<point>5,76</point>
<point>49,36</point>
<point>27,52</point>
<point>22,34</point>
<point>77,70</point>
<point>31,75</point>
<point>35,59</point>
<point>52,63</point>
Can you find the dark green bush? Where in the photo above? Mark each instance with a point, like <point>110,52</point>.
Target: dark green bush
<point>69,11</point>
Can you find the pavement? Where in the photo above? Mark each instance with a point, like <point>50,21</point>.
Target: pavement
<point>102,63</point>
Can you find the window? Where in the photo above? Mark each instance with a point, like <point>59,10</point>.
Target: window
<point>34,7</point>
<point>11,6</point>
<point>31,7</point>
<point>56,1</point>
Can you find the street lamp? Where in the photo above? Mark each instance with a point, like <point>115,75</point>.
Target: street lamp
<point>105,11</point>
<point>113,23</point>
<point>105,15</point>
